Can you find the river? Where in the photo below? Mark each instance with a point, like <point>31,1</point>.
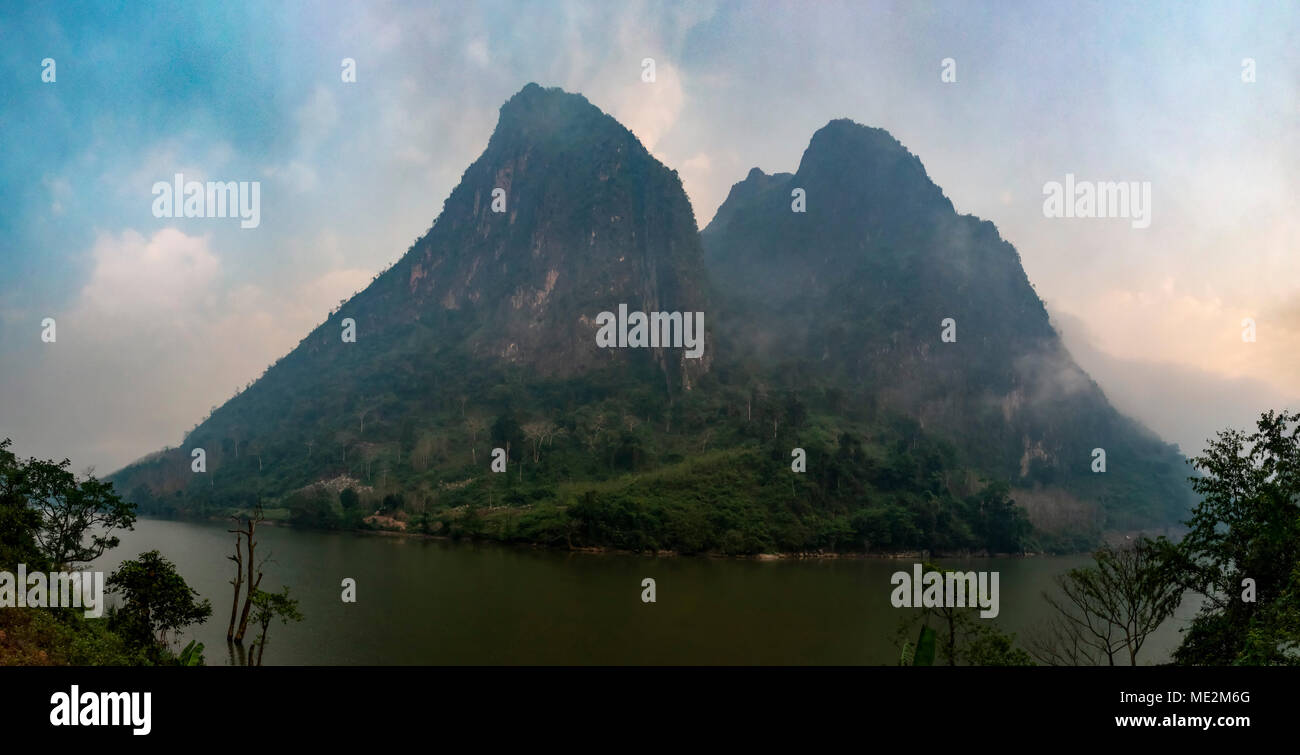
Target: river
<point>423,601</point>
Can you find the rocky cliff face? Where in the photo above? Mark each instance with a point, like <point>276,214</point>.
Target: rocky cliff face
<point>590,221</point>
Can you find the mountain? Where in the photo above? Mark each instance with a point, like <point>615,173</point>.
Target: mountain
<point>864,282</point>
<point>588,220</point>
<point>564,216</point>
<point>822,413</point>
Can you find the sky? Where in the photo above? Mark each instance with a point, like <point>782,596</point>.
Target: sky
<point>158,320</point>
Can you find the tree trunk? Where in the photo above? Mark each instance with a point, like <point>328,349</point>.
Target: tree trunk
<point>252,582</point>
<point>261,645</point>
<point>238,582</point>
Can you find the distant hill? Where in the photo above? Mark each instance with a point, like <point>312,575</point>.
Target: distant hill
<point>822,333</point>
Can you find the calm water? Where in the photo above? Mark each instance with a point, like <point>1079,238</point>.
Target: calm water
<point>435,602</point>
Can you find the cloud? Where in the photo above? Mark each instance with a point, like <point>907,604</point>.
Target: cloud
<point>650,109</point>
<point>477,51</point>
<point>60,192</point>
<point>1161,321</point>
<point>196,157</point>
<point>135,279</point>
<point>316,120</point>
<point>297,174</point>
<point>1183,404</point>
<point>155,338</point>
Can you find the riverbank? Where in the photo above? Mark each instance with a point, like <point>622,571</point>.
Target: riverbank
<point>912,555</point>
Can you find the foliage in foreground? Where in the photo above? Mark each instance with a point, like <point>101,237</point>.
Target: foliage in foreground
<point>50,520</point>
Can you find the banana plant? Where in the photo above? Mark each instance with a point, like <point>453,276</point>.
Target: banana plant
<point>192,655</point>
<point>924,655</point>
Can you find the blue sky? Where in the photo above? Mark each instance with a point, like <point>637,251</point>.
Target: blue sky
<point>161,319</point>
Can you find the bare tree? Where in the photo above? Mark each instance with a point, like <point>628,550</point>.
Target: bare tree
<point>246,528</point>
<point>344,439</point>
<point>1109,609</point>
<point>1063,642</point>
<point>533,434</point>
<point>475,424</point>
<point>238,581</point>
<point>366,409</point>
<point>255,448</point>
<point>422,453</point>
<point>594,431</point>
<point>368,454</point>
<point>537,433</point>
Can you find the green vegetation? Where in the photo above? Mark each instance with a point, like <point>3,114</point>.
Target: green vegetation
<point>267,607</point>
<point>49,520</point>
<point>955,637</point>
<point>1241,556</point>
<point>157,605</point>
<point>1247,527</point>
<point>610,462</point>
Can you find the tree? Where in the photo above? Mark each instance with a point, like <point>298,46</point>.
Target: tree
<point>343,438</point>
<point>960,639</point>
<point>595,427</point>
<point>1109,609</point>
<point>998,522</point>
<point>422,453</point>
<point>45,515</point>
<point>1059,641</point>
<point>238,581</point>
<point>475,424</point>
<point>254,447</point>
<point>19,522</point>
<point>245,528</point>
<point>268,606</point>
<point>370,452</point>
<point>795,412</point>
<point>989,647</point>
<point>506,432</point>
<point>157,602</point>
<point>1247,527</point>
<point>72,510</point>
<point>537,433</point>
<point>313,507</point>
